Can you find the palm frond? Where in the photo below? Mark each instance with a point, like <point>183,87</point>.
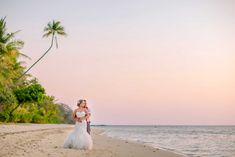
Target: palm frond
<point>47,34</point>
<point>25,56</point>
<point>54,28</point>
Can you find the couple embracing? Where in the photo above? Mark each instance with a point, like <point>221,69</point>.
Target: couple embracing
<point>80,138</point>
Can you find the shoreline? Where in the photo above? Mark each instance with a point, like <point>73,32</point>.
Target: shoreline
<point>102,133</point>
<point>39,140</point>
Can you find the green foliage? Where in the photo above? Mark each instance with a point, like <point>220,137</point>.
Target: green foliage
<point>30,93</point>
<point>66,111</point>
<point>7,101</point>
<point>53,29</point>
<point>23,100</point>
<point>7,97</point>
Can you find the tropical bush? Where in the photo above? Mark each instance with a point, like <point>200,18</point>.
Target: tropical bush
<point>22,98</point>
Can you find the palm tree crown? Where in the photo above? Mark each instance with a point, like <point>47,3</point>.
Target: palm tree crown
<point>53,28</point>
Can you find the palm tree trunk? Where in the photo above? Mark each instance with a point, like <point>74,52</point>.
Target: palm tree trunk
<point>10,114</point>
<point>52,41</point>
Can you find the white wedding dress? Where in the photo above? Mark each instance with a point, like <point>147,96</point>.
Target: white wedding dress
<point>79,138</point>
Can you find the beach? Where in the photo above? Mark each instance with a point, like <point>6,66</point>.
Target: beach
<point>40,140</point>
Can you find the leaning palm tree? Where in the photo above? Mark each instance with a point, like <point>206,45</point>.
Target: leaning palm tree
<point>52,29</point>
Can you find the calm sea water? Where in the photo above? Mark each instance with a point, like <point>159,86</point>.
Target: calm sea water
<point>193,141</point>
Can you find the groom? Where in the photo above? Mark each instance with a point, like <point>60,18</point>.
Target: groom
<point>88,118</point>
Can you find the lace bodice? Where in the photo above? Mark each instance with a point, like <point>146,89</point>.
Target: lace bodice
<point>80,114</point>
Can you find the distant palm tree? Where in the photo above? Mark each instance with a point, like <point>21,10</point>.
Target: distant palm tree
<point>52,29</point>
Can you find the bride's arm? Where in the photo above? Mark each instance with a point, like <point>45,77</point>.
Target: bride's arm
<point>86,116</point>
<point>74,117</point>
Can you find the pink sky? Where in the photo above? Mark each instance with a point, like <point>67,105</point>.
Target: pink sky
<point>135,62</point>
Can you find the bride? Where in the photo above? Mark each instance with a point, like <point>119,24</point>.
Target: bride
<point>79,138</point>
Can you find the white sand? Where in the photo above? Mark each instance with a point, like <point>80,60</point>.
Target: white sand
<point>46,140</point>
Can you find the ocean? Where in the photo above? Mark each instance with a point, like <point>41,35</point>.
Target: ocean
<point>192,141</point>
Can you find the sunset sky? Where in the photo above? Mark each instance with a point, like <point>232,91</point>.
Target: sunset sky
<point>136,62</point>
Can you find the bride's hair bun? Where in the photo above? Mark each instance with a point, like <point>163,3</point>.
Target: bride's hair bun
<point>80,101</point>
